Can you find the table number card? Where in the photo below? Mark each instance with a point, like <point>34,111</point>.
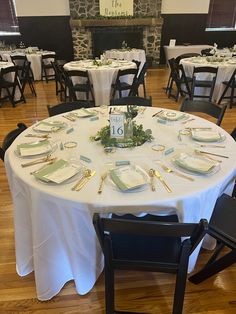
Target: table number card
<point>117,122</point>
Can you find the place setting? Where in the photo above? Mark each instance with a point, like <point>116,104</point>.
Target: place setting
<point>170,116</point>
<point>36,148</point>
<point>49,126</point>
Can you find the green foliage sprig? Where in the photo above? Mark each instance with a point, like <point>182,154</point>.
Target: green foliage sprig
<point>140,136</point>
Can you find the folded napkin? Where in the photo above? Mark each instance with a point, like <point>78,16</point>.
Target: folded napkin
<point>34,148</point>
<point>195,164</point>
<point>171,115</point>
<point>206,135</point>
<point>58,172</point>
<point>127,178</point>
<point>83,113</point>
<point>49,126</point>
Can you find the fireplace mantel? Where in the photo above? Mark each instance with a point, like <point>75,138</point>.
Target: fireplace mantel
<point>152,21</point>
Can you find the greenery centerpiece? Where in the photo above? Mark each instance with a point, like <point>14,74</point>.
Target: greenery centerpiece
<point>102,62</point>
<point>137,135</point>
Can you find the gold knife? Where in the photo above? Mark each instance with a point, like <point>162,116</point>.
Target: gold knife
<point>158,175</point>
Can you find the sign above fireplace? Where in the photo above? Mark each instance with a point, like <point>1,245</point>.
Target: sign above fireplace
<point>116,7</point>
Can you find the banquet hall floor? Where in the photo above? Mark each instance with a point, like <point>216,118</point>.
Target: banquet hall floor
<point>136,291</point>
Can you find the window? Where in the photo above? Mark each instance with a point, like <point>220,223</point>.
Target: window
<point>8,20</point>
<point>222,15</point>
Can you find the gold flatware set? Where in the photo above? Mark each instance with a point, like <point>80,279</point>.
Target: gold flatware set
<point>87,175</point>
<point>48,158</point>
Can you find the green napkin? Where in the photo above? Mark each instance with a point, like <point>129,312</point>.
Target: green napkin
<point>50,169</point>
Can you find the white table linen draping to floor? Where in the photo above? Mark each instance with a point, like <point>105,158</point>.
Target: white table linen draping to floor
<point>54,234</point>
<point>101,77</point>
<point>225,71</point>
<point>34,58</point>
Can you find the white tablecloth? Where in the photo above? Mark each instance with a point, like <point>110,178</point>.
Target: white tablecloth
<point>225,71</point>
<point>122,54</point>
<point>175,51</point>
<point>54,234</point>
<point>34,58</point>
<point>101,77</point>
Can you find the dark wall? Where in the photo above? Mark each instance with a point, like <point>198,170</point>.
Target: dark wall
<point>190,28</point>
<point>45,32</point>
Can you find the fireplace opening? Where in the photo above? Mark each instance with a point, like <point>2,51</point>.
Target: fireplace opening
<point>104,38</point>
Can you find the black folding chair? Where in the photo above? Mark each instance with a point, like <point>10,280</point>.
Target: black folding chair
<point>78,81</point>
<point>207,107</point>
<point>141,244</point>
<point>47,71</point>
<point>68,106</point>
<point>229,86</point>
<point>9,81</point>
<point>222,228</point>
<point>132,100</point>
<point>199,82</point>
<point>10,137</point>
<point>120,85</point>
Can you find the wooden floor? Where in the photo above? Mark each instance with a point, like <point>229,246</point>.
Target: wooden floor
<point>137,291</point>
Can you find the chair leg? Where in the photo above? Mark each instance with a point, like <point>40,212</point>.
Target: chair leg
<point>144,90</point>
<point>223,95</point>
<point>109,289</point>
<point>181,278</point>
<point>215,267</point>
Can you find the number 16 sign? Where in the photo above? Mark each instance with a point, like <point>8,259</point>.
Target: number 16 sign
<point>117,125</point>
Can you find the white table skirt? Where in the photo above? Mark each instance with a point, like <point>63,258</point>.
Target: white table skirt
<point>101,77</point>
<point>34,58</point>
<point>54,234</point>
<point>225,71</point>
<point>175,51</point>
<point>133,54</point>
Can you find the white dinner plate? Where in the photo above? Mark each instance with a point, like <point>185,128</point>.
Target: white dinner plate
<point>130,178</point>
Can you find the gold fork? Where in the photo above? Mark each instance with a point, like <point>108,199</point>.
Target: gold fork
<point>103,177</point>
<point>159,176</point>
<point>169,170</point>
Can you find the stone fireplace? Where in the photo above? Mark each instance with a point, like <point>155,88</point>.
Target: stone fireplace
<point>84,25</point>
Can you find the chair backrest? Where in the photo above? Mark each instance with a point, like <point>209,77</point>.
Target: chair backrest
<point>48,58</point>
<point>137,63</point>
<point>68,106</point>
<point>205,69</point>
<point>222,222</point>
<point>208,82</point>
<point>186,55</point>
<point>19,60</point>
<point>106,228</point>
<point>10,137</point>
<point>132,100</point>
<point>205,107</point>
<point>206,52</point>
<point>13,70</point>
<point>125,72</point>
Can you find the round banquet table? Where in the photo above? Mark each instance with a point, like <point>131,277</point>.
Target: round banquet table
<point>54,234</point>
<point>127,54</point>
<point>101,77</point>
<point>34,58</point>
<point>225,71</point>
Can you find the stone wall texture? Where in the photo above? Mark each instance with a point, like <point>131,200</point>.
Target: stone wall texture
<point>82,38</point>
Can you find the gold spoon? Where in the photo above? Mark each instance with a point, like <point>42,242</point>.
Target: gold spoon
<point>86,174</point>
<point>152,175</point>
